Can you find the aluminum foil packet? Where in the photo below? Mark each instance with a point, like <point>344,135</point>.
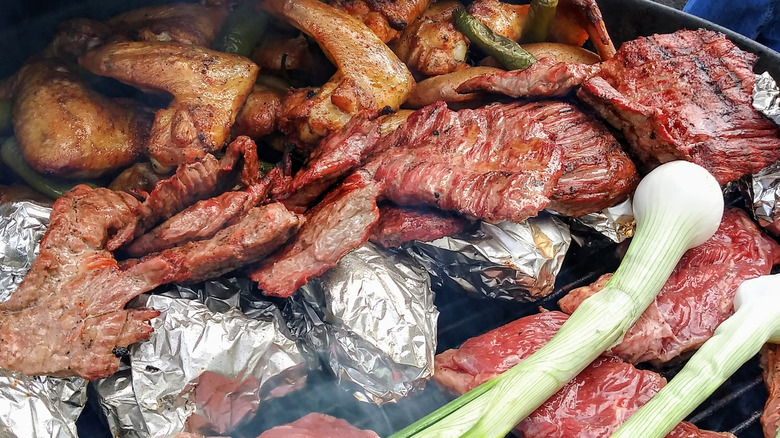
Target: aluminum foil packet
<point>201,370</point>
<point>22,225</point>
<point>372,320</point>
<point>766,97</point>
<point>616,222</point>
<point>31,406</point>
<point>509,261</point>
<point>762,190</point>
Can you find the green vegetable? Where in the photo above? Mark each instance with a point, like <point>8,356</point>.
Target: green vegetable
<point>6,116</point>
<point>12,157</point>
<point>242,29</point>
<point>677,206</point>
<point>539,20</point>
<point>755,322</point>
<point>504,50</point>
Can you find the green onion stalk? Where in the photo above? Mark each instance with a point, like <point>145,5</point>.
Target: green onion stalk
<point>677,206</point>
<point>756,321</point>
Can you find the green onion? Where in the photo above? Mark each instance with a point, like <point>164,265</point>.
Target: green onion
<point>538,22</point>
<point>507,52</point>
<point>677,206</point>
<point>756,320</point>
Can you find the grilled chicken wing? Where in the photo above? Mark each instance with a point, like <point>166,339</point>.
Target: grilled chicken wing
<point>209,88</point>
<point>385,18</point>
<point>66,129</point>
<point>431,45</point>
<point>260,114</point>
<point>370,77</point>
<point>184,23</point>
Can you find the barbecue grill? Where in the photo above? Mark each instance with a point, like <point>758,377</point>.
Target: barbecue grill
<point>735,407</point>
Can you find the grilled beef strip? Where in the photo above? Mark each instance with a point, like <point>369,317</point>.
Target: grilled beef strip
<point>699,294</point>
<point>335,157</point>
<point>593,404</point>
<point>338,224</point>
<point>398,225</point>
<point>597,173</point>
<point>685,95</point>
<point>544,78</point>
<point>484,163</point>
<point>770,362</point>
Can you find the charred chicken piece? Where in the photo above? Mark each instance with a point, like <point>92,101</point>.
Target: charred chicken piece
<point>66,129</point>
<point>385,18</point>
<point>184,23</point>
<point>76,37</point>
<point>208,89</point>
<point>431,45</point>
<point>260,114</point>
<point>370,78</point>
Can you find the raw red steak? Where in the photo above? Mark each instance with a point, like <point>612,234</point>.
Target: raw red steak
<point>594,404</point>
<point>699,294</point>
<point>686,95</point>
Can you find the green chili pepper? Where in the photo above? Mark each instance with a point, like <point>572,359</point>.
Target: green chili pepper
<point>6,116</point>
<point>539,20</point>
<point>242,29</point>
<point>11,155</point>
<point>504,50</point>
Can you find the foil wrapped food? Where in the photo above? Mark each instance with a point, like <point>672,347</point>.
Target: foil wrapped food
<point>616,222</point>
<point>762,189</point>
<point>766,97</point>
<point>510,261</point>
<point>201,370</point>
<point>22,225</point>
<point>372,320</point>
<point>31,406</point>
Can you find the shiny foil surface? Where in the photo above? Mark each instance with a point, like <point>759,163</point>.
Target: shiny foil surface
<point>372,320</point>
<point>207,370</point>
<point>510,261</point>
<point>616,222</point>
<point>22,225</point>
<point>31,406</point>
<point>766,97</point>
<point>762,189</point>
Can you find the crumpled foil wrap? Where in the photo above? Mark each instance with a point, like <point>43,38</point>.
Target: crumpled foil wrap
<point>762,189</point>
<point>37,406</point>
<point>509,261</point>
<point>202,370</point>
<point>31,406</point>
<point>22,225</point>
<point>373,322</point>
<point>766,97</point>
<point>616,222</point>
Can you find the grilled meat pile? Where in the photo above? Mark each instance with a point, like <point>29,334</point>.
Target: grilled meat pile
<point>684,96</point>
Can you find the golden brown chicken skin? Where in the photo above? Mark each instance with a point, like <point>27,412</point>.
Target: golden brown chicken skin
<point>208,89</point>
<point>185,23</point>
<point>370,76</point>
<point>385,18</point>
<point>261,112</point>
<point>66,129</point>
<point>431,45</point>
